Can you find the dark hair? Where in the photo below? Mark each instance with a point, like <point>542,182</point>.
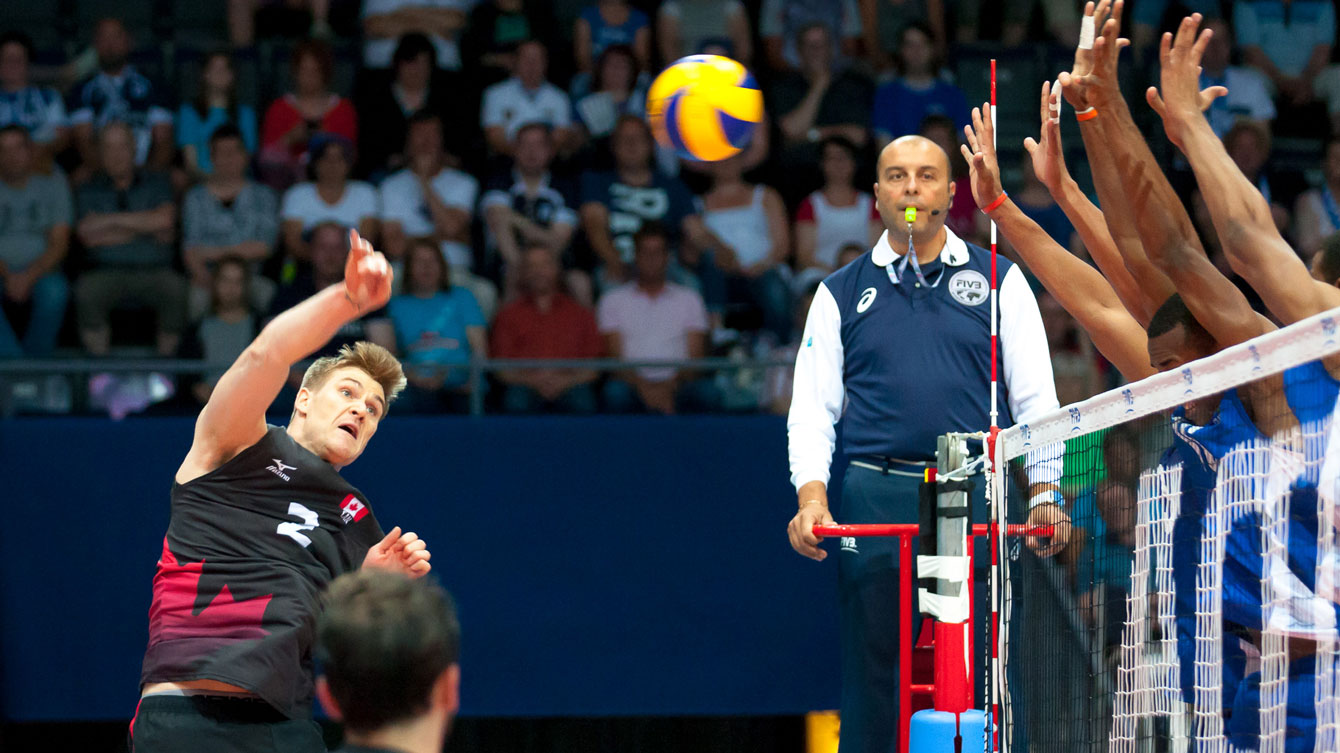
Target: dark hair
<point>937,120</point>
<point>201,102</point>
<point>383,641</point>
<point>846,145</point>
<point>1329,264</point>
<point>310,234</point>
<point>1173,314</point>
<point>443,271</point>
<point>650,229</point>
<point>411,46</point>
<point>233,260</point>
<point>597,72</point>
<point>321,143</point>
<point>318,51</point>
<point>20,39</point>
<point>226,131</point>
<point>422,116</point>
<point>16,128</point>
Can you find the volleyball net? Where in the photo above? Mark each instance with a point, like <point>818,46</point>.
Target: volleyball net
<point>1196,605</point>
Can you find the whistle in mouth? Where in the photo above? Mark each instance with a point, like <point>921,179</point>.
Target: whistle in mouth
<point>910,214</point>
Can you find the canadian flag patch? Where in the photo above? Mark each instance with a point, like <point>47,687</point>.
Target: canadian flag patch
<point>352,510</point>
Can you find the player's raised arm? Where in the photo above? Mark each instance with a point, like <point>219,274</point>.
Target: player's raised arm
<point>1091,87</point>
<point>1078,287</point>
<point>1165,229</point>
<point>1241,215</point>
<point>234,417</point>
<point>1049,165</point>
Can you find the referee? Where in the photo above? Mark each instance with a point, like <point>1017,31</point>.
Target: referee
<point>897,346</point>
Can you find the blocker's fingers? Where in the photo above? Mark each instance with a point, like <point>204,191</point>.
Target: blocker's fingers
<point>419,569</point>
<point>415,546</point>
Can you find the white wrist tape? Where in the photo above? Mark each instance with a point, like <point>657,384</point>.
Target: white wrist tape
<point>1086,29</point>
<point>1048,497</point>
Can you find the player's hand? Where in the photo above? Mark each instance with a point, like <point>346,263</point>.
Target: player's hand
<point>801,529</point>
<point>1048,515</point>
<point>1093,81</point>
<point>1048,159</point>
<point>401,553</point>
<point>1181,101</point>
<point>367,275</point>
<point>980,152</point>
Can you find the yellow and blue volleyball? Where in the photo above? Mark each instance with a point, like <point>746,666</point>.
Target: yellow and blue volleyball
<point>705,107</point>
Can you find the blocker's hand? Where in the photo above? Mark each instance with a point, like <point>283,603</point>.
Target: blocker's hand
<point>1181,101</point>
<point>801,530</point>
<point>401,553</point>
<point>1049,515</point>
<point>367,275</point>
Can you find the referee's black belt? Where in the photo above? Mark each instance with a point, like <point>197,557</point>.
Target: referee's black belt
<point>892,466</point>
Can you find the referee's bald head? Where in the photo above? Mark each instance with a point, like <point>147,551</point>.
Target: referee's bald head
<point>909,146</point>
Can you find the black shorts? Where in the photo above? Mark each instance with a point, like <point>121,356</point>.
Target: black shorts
<point>218,724</point>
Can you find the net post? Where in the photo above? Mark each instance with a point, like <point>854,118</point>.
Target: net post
<point>953,657</point>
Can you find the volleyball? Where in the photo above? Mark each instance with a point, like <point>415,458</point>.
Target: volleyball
<point>705,107</point>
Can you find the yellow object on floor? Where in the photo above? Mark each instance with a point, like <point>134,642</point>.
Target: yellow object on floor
<point>822,729</point>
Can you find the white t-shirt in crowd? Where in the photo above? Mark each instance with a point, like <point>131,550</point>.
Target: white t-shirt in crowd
<point>652,327</point>
<point>358,203</point>
<point>511,105</point>
<point>377,53</point>
<point>403,202</point>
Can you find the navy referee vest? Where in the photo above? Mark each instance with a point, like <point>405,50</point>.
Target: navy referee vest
<point>917,359</point>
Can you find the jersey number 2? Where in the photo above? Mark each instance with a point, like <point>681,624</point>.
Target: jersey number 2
<point>295,530</point>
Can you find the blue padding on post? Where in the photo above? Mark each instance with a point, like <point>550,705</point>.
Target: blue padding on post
<point>933,732</point>
<point>971,726</point>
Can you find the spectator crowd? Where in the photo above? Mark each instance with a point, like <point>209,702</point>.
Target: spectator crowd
<point>169,181</point>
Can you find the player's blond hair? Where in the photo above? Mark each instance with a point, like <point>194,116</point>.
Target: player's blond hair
<point>372,358</point>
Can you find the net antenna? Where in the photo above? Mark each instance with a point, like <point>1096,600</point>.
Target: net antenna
<point>991,693</point>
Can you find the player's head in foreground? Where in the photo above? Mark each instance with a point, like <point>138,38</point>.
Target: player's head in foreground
<point>343,399</point>
<point>914,171</point>
<point>389,649</point>
<point>1176,339</point>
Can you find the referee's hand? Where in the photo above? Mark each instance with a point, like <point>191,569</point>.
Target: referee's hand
<point>801,529</point>
<point>1048,515</point>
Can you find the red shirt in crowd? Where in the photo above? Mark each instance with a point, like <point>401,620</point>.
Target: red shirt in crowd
<point>566,330</point>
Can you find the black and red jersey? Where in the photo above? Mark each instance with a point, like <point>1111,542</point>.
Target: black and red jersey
<point>249,548</point>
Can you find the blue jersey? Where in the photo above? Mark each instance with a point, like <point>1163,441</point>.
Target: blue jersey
<point>1311,394</point>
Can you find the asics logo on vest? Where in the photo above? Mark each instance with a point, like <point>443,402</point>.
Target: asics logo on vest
<point>867,298</point>
<point>968,287</point>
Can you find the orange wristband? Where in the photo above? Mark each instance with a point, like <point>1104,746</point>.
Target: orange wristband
<point>993,206</point>
<point>1088,114</point>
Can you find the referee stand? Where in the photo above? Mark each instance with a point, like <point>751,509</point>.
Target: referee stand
<point>942,713</point>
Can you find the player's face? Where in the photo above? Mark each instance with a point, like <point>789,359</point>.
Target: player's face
<point>1174,349</point>
<point>913,172</point>
<point>340,416</point>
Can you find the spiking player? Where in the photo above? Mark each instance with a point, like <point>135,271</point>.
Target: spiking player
<point>261,521</point>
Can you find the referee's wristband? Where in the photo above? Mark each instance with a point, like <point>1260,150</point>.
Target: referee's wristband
<point>993,206</point>
<point>1046,497</point>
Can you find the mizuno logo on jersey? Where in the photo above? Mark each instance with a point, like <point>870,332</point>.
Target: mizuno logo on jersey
<point>352,510</point>
<point>278,469</point>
